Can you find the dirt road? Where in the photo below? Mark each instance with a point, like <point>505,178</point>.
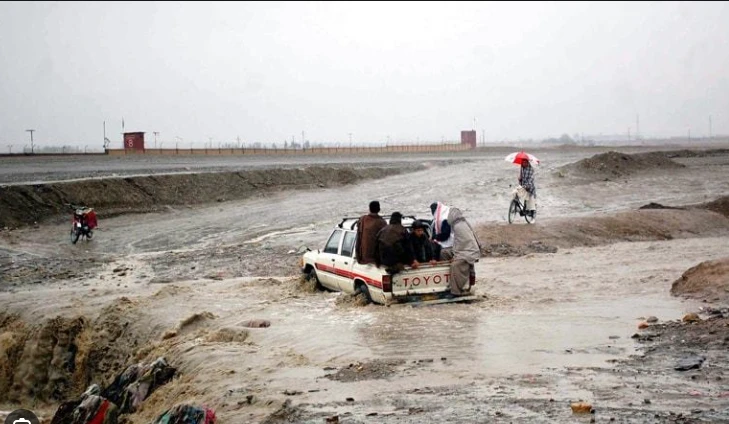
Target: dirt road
<point>552,328</point>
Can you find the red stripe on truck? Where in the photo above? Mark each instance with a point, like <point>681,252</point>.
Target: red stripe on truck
<point>348,274</point>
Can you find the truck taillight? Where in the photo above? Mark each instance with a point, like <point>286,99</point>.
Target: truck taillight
<point>386,283</point>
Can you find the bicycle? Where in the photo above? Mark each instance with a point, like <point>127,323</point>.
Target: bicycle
<point>516,206</point>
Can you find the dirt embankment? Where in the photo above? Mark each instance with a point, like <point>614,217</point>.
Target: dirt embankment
<point>657,222</point>
<point>615,164</point>
<point>708,280</point>
<point>27,204</point>
<point>60,356</point>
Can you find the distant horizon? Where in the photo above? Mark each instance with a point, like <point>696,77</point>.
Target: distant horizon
<point>605,141</point>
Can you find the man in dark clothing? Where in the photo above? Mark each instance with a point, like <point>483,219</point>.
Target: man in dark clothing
<point>393,249</point>
<point>424,249</point>
<point>367,228</point>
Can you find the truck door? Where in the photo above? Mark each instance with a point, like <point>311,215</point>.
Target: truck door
<point>344,262</point>
<point>325,262</point>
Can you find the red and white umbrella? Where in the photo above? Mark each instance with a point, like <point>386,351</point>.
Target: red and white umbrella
<point>519,157</point>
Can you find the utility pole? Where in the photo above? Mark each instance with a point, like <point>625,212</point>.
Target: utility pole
<point>350,140</point>
<point>31,140</point>
<point>710,133</point>
<point>628,133</point>
<point>155,138</point>
<point>637,126</point>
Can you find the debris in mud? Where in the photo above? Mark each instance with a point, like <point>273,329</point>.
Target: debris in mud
<point>645,337</point>
<point>653,205</point>
<point>184,413</point>
<point>91,407</point>
<point>643,325</point>
<point>691,317</point>
<point>652,320</point>
<point>285,414</point>
<point>377,369</point>
<point>581,407</point>
<point>130,388</point>
<point>690,363</point>
<point>257,323</point>
<point>507,249</point>
<point>123,396</point>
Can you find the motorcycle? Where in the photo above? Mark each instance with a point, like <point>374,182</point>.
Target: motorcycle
<point>83,223</point>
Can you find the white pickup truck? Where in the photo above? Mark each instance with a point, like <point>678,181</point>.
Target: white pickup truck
<point>335,267</point>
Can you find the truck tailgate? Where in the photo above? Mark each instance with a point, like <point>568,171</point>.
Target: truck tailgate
<point>424,280</point>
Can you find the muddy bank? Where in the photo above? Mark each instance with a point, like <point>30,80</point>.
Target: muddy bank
<point>57,358</point>
<point>28,204</point>
<point>642,225</point>
<point>708,280</point>
<point>614,164</point>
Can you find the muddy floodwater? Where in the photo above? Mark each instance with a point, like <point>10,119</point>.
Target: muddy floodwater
<point>556,321</point>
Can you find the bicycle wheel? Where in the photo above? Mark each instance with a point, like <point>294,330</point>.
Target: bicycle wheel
<point>530,218</point>
<point>513,210</point>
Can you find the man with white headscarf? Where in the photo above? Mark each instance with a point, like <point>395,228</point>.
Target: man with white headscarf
<point>460,245</point>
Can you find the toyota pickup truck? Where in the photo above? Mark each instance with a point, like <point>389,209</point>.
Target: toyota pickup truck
<point>335,268</point>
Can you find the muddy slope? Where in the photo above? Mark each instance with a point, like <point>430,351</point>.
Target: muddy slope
<point>615,164</point>
<point>57,358</point>
<point>655,223</point>
<point>27,204</point>
<point>708,280</point>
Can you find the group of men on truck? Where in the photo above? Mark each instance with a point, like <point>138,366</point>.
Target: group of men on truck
<point>394,247</point>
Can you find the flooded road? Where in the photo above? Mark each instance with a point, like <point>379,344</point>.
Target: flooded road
<point>548,330</point>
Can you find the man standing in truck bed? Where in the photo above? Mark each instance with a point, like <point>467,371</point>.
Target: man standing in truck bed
<point>367,228</point>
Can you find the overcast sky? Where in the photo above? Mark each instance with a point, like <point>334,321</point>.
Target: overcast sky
<point>268,71</point>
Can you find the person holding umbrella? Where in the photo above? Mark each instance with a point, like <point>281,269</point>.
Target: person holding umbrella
<point>527,188</point>
<point>526,180</point>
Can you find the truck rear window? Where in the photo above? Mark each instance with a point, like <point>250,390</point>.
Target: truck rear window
<point>348,243</point>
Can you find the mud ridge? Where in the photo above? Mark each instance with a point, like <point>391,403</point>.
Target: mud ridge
<point>708,280</point>
<point>28,204</point>
<point>614,164</point>
<point>647,224</point>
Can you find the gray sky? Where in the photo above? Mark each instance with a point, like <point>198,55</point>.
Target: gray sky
<point>268,71</point>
